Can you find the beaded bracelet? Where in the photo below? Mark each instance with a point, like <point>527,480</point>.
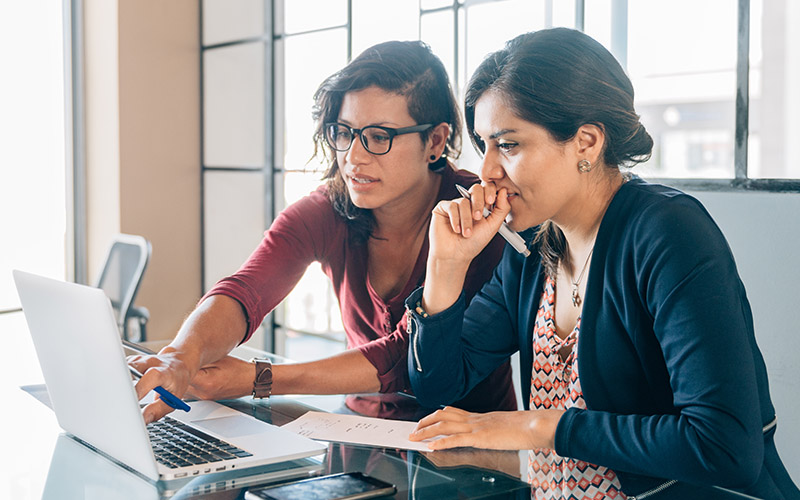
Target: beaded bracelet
<point>420,310</point>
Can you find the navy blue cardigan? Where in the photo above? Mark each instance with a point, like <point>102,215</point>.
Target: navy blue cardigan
<point>674,383</point>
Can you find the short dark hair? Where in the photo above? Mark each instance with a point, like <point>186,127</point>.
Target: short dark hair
<point>561,79</point>
<point>407,68</point>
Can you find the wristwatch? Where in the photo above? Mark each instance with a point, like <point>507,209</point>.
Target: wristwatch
<point>262,386</point>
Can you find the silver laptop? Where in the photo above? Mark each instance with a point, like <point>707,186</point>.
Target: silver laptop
<point>76,470</point>
<point>91,391</point>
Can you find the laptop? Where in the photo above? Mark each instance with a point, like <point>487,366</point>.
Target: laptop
<point>76,470</point>
<point>82,359</point>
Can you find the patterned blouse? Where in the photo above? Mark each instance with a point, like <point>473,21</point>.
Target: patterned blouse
<point>555,385</point>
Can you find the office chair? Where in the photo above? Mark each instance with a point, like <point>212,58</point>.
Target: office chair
<point>122,273</point>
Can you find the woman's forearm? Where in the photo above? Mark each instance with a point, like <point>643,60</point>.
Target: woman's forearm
<point>213,329</point>
<point>345,373</point>
<point>444,282</point>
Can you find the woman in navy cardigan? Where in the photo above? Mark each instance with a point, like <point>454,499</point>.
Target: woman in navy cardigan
<point>640,372</point>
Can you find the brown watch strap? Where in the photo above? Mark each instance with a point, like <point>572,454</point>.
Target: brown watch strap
<point>262,386</point>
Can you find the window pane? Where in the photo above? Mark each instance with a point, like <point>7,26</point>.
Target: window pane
<point>434,4</point>
<point>32,146</point>
<point>312,305</point>
<point>564,14</point>
<point>233,100</point>
<point>295,185</point>
<point>233,219</point>
<point>380,20</point>
<point>301,348</point>
<point>482,34</point>
<point>226,20</point>
<point>774,89</point>
<point>685,85</point>
<point>774,153</point>
<point>479,36</point>
<point>306,15</point>
<point>300,81</point>
<point>597,21</point>
<point>438,32</point>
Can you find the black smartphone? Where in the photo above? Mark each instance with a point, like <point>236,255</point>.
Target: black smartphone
<point>344,486</point>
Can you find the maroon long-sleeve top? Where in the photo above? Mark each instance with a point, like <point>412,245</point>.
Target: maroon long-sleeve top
<point>310,230</point>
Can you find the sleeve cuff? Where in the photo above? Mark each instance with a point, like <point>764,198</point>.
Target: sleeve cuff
<point>417,317</point>
<point>564,431</point>
<point>246,298</point>
<point>389,357</point>
<point>416,298</point>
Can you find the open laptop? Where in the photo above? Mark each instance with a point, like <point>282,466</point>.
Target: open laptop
<point>76,469</point>
<point>80,352</point>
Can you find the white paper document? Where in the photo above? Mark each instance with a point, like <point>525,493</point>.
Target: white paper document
<point>357,430</point>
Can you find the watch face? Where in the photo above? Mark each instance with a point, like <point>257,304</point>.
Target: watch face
<point>263,383</point>
<point>264,375</point>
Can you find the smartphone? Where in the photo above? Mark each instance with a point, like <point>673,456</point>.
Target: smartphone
<point>344,486</point>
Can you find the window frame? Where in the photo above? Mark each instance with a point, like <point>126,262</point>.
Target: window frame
<point>267,167</point>
<point>273,169</point>
<point>740,182</point>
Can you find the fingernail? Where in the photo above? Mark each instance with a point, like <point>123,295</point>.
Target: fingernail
<point>476,215</point>
<point>467,232</point>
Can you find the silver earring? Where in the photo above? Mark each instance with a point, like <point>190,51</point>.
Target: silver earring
<point>584,166</point>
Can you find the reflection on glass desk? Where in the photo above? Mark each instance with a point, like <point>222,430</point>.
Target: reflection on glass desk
<point>77,472</point>
<point>75,469</point>
<point>46,463</point>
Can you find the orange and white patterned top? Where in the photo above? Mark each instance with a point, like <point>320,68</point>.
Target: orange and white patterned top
<point>555,384</point>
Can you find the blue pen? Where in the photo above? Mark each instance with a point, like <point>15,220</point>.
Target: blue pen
<point>167,397</point>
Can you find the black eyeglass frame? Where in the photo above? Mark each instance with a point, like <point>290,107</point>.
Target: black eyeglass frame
<point>391,132</point>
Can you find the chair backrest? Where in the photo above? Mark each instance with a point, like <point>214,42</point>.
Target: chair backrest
<point>122,273</point>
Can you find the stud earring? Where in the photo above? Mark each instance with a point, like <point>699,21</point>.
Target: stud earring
<point>584,166</point>
<point>433,157</point>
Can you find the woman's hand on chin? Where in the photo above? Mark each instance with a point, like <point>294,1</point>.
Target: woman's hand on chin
<point>459,231</point>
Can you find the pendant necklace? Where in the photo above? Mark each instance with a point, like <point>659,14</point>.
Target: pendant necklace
<point>576,297</point>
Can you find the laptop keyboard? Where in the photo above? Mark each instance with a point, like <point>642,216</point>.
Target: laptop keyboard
<point>176,444</point>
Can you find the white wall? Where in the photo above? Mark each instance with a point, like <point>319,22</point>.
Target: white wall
<point>763,230</point>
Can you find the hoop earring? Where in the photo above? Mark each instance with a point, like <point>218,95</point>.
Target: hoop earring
<point>584,166</point>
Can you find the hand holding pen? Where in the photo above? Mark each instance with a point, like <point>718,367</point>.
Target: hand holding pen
<point>459,231</point>
<point>513,239</point>
<point>167,397</point>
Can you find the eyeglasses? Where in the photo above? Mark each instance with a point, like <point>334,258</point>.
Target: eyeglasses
<point>376,139</point>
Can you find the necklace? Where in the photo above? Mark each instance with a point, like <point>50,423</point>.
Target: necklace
<point>576,296</point>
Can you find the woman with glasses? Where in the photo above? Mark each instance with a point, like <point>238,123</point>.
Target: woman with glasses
<point>639,364</point>
<point>388,124</point>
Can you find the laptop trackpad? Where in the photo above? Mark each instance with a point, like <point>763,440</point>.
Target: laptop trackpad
<point>232,427</point>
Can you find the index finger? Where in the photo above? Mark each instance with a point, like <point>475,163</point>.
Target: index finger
<point>149,380</point>
<point>142,362</point>
<point>446,413</point>
<point>156,411</point>
<point>477,194</point>
<point>158,408</point>
<point>489,192</point>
